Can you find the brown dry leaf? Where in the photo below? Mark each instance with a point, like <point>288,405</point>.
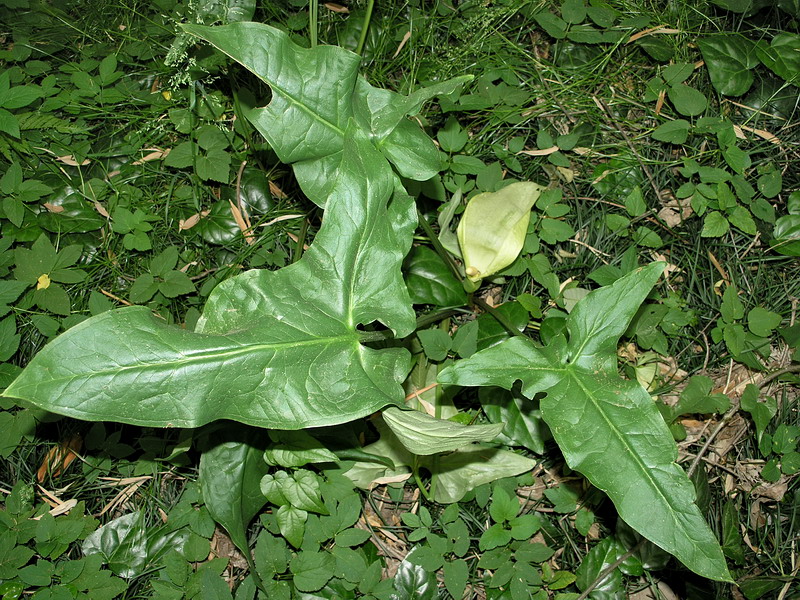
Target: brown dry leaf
<point>337,8</point>
<point>773,491</point>
<point>243,221</point>
<point>156,154</point>
<point>763,134</point>
<point>720,269</point>
<point>664,593</point>
<point>190,222</point>
<point>102,210</point>
<point>730,435</point>
<point>659,29</point>
<point>53,208</point>
<point>281,218</point>
<point>122,497</point>
<point>50,497</point>
<point>295,239</point>
<point>276,191</point>
<point>674,211</point>
<point>544,152</point>
<point>757,518</point>
<point>63,508</point>
<point>59,458</point>
<point>660,101</point>
<point>223,547</point>
<point>390,546</point>
<point>389,479</point>
<point>70,160</point>
<point>403,42</point>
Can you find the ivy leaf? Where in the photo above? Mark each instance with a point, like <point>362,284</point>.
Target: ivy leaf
<point>412,582</point>
<point>317,91</point>
<point>276,349</point>
<point>730,59</point>
<point>608,428</point>
<point>782,56</point>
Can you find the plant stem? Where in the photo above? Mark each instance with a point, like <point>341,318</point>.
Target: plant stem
<point>498,316</point>
<point>434,317</point>
<point>437,245</point>
<point>418,481</point>
<point>365,27</point>
<point>313,11</point>
<point>301,241</point>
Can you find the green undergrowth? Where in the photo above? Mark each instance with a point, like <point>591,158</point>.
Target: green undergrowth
<point>133,172</point>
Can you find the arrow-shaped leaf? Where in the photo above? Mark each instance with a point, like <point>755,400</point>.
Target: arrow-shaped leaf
<point>315,93</point>
<point>608,428</point>
<point>273,349</point>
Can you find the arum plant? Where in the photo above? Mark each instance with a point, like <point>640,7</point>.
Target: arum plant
<point>288,349</point>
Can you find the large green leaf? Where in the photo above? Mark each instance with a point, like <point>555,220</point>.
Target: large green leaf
<point>730,59</point>
<point>230,471</point>
<point>315,93</point>
<point>277,349</point>
<point>608,428</point>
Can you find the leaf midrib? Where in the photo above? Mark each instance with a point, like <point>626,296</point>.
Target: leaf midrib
<point>203,356</point>
<point>282,92</point>
<point>630,449</point>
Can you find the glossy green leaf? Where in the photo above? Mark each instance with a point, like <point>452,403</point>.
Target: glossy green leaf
<point>599,558</point>
<point>782,56</point>
<point>131,547</point>
<point>296,449</point>
<point>429,280</point>
<point>730,59</point>
<point>608,428</point>
<point>696,398</point>
<point>424,435</point>
<point>312,570</point>
<point>492,229</point>
<point>318,91</point>
<point>786,234</point>
<point>230,470</point>
<point>261,356</point>
<point>412,582</point>
<point>520,417</point>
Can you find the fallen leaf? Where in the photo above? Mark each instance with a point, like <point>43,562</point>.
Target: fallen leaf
<point>102,210</point>
<point>402,44</point>
<point>69,159</point>
<point>276,191</point>
<point>59,457</point>
<point>651,31</point>
<point>156,154</point>
<point>337,8</point>
<point>543,152</point>
<point>190,222</point>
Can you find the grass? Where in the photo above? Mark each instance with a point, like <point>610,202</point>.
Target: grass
<point>597,90</point>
